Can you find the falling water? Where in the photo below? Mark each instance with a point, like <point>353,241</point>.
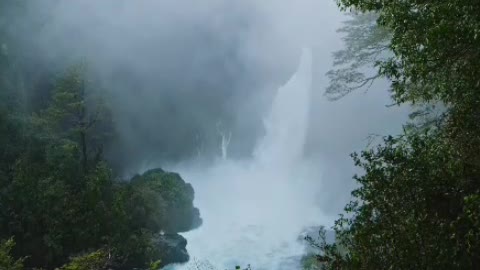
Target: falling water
<point>287,123</point>
<point>224,145</point>
<point>254,211</point>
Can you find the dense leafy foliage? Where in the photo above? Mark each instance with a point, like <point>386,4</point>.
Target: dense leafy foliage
<point>59,198</point>
<point>418,201</point>
<point>6,260</point>
<point>92,261</point>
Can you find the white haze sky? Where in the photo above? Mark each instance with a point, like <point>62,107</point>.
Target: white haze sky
<point>242,49</point>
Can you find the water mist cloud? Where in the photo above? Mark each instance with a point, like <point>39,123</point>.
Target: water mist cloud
<point>178,72</point>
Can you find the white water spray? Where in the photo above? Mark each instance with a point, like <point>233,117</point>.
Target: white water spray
<point>255,211</point>
<point>286,125</point>
<point>225,141</point>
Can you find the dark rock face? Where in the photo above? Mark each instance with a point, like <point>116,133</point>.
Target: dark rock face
<point>173,248</point>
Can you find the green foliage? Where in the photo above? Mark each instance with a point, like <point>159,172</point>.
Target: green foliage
<point>173,196</point>
<point>156,265</point>
<point>366,44</point>
<point>6,260</point>
<point>435,45</point>
<point>411,207</point>
<point>154,202</point>
<point>78,113</point>
<point>417,205</point>
<point>59,197</point>
<point>92,261</point>
<point>54,205</point>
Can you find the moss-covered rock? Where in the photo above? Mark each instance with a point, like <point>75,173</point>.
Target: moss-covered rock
<point>174,197</point>
<point>173,248</point>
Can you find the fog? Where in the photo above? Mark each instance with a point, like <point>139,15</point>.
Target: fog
<point>223,60</point>
<point>182,75</point>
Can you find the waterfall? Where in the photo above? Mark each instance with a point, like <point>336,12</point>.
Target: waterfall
<point>225,138</point>
<point>254,211</point>
<point>286,125</point>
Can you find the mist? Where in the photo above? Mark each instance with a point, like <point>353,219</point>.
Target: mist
<point>221,59</point>
<point>180,76</point>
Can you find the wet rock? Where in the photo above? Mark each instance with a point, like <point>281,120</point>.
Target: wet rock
<point>173,248</point>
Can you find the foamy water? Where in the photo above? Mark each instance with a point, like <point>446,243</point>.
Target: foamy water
<point>254,211</point>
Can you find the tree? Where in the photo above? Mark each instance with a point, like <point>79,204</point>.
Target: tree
<point>6,260</point>
<point>59,198</point>
<point>56,194</point>
<point>435,52</point>
<point>366,44</point>
<point>93,261</point>
<point>78,113</point>
<point>417,205</point>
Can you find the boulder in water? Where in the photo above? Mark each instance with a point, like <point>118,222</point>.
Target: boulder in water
<point>175,200</point>
<point>173,248</point>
